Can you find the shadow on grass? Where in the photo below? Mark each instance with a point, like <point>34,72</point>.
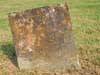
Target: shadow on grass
<point>9,50</point>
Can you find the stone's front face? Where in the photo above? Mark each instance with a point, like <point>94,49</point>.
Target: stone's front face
<point>43,38</point>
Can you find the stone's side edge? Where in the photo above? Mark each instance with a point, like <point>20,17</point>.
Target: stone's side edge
<point>23,62</point>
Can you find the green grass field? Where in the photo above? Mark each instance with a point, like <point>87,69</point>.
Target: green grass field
<point>85,15</point>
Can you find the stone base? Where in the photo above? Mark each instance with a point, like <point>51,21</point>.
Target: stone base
<point>40,64</point>
<point>24,63</point>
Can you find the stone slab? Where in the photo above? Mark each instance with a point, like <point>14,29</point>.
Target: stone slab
<point>43,38</point>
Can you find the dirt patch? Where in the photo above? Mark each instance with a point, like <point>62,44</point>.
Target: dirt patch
<point>87,67</point>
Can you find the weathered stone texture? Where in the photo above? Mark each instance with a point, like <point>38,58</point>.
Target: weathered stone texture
<point>43,37</point>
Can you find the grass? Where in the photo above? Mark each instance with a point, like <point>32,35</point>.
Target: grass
<point>85,16</point>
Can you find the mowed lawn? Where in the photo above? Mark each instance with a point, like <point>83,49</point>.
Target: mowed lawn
<point>85,15</point>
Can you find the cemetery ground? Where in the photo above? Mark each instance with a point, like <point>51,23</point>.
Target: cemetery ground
<point>85,15</point>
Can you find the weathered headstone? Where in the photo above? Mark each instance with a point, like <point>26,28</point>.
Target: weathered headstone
<point>43,38</point>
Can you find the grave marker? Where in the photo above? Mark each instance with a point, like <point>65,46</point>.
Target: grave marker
<point>43,38</point>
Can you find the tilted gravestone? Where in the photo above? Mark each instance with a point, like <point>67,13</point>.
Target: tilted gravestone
<point>43,38</point>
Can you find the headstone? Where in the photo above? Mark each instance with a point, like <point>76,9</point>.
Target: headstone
<point>43,38</point>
